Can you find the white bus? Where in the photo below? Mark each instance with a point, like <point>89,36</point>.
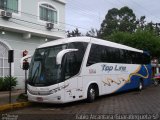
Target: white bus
<point>80,68</point>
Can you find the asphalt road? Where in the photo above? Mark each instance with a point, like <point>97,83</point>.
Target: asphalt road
<point>127,105</point>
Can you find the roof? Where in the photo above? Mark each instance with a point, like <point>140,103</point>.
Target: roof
<point>88,39</point>
<point>113,44</point>
<point>65,40</point>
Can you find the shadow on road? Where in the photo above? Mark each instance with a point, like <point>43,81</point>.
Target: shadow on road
<point>84,102</point>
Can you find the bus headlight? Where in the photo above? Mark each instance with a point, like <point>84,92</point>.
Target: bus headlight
<point>59,97</point>
<point>52,91</point>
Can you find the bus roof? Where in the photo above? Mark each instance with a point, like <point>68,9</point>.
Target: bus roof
<point>88,39</point>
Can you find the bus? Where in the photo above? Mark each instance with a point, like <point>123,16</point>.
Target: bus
<point>79,68</point>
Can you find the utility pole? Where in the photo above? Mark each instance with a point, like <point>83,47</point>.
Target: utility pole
<point>10,61</point>
<point>25,68</point>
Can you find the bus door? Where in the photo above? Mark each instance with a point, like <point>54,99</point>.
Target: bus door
<point>80,87</point>
<point>72,81</point>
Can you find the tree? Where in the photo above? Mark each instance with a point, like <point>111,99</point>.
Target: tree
<point>92,33</point>
<point>141,22</point>
<point>74,33</point>
<point>121,26</point>
<point>149,26</point>
<point>141,39</point>
<point>109,24</point>
<point>123,20</point>
<point>127,20</point>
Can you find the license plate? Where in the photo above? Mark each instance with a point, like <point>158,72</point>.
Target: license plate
<point>39,99</point>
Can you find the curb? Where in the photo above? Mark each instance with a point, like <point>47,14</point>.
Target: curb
<point>14,106</point>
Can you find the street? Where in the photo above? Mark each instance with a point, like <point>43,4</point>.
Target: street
<point>146,102</point>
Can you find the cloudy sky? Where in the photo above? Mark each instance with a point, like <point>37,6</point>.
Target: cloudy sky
<point>87,14</point>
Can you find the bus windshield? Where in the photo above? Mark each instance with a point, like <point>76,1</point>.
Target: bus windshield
<point>43,69</point>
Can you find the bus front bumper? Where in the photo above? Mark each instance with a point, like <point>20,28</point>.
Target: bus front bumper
<point>45,98</point>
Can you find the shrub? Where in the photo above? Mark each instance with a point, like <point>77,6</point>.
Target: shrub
<point>141,39</point>
<point>5,83</point>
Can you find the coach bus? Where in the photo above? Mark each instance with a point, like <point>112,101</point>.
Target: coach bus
<point>78,68</point>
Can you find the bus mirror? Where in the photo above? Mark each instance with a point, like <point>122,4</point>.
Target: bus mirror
<point>62,53</point>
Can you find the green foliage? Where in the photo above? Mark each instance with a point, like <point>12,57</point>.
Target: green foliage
<point>92,33</point>
<point>74,33</point>
<point>141,39</point>
<point>141,22</point>
<point>123,20</point>
<point>121,26</point>
<point>5,83</point>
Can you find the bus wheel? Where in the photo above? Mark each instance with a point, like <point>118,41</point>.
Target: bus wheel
<point>91,94</point>
<point>140,87</point>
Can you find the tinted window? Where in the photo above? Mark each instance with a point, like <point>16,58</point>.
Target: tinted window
<point>95,55</point>
<point>43,68</point>
<point>99,53</point>
<point>74,60</point>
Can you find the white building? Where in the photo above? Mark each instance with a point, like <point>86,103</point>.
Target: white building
<point>24,25</point>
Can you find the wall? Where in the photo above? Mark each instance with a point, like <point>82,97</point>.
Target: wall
<point>27,19</point>
<point>16,42</point>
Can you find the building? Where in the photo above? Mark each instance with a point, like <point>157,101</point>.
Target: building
<point>24,25</point>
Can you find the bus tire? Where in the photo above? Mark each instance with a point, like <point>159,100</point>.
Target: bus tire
<point>91,94</point>
<point>140,86</point>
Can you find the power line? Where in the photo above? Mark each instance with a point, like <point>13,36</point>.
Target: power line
<point>33,16</point>
<point>89,14</point>
<point>34,24</point>
<point>72,6</point>
<point>75,6</point>
<point>145,9</point>
<point>140,6</point>
<point>83,11</point>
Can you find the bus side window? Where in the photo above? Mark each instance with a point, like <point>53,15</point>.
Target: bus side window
<point>94,55</point>
<point>106,54</point>
<point>71,67</point>
<point>79,54</point>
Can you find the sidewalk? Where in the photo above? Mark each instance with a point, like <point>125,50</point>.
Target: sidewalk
<point>4,101</point>
<point>4,96</point>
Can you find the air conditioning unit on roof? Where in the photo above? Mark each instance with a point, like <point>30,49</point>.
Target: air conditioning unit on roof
<point>6,15</point>
<point>49,26</point>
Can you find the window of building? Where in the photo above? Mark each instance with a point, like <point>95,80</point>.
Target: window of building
<point>4,66</point>
<point>9,5</point>
<point>48,13</point>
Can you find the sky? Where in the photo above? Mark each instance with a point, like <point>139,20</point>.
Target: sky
<point>87,14</point>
